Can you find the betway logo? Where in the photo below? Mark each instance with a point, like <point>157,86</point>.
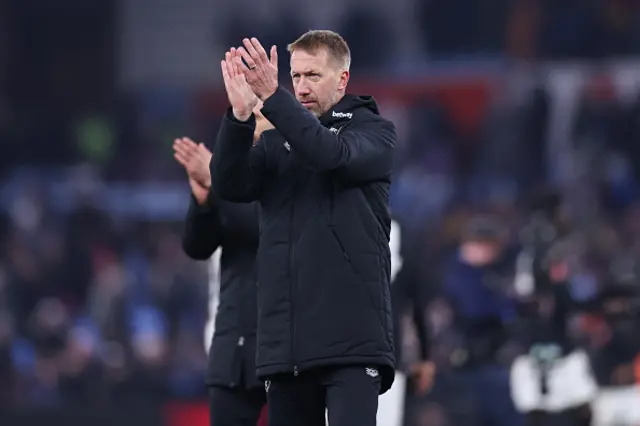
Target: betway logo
<point>341,114</point>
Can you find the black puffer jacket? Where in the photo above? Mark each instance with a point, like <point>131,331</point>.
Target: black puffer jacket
<point>234,227</point>
<point>324,260</point>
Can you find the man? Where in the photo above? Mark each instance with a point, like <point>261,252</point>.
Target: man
<point>325,335</point>
<point>236,397</point>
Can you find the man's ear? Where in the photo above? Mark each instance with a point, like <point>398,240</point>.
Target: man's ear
<point>344,80</point>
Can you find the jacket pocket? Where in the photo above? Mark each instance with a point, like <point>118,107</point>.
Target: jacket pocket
<point>369,280</point>
<point>344,252</point>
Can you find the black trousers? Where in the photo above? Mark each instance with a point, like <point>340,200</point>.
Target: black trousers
<point>350,395</point>
<point>235,406</point>
<point>579,416</point>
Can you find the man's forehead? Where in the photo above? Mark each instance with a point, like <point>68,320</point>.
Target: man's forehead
<point>305,61</point>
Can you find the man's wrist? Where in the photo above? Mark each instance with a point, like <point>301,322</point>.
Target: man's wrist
<point>200,200</point>
<point>203,201</point>
<point>268,95</point>
<point>204,182</point>
<point>241,116</point>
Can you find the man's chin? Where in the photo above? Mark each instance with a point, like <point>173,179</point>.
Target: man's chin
<point>315,111</point>
<point>312,107</point>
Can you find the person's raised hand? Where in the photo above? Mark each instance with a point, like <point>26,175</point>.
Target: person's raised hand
<point>195,158</point>
<point>241,97</point>
<point>259,69</point>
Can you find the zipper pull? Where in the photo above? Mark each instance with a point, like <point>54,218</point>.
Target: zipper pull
<point>295,371</point>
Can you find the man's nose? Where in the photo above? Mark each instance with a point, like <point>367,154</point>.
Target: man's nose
<point>302,88</point>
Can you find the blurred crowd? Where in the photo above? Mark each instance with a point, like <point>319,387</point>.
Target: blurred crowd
<point>64,67</point>
<point>438,29</point>
<point>95,309</point>
<point>99,303</point>
<point>475,206</point>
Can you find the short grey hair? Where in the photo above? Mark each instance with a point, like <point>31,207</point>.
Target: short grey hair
<point>336,46</point>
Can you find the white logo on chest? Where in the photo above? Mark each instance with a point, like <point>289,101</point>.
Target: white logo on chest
<point>341,114</point>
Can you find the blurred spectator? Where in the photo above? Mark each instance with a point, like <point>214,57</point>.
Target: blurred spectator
<point>80,370</point>
<point>476,284</point>
<point>615,360</point>
<point>7,373</point>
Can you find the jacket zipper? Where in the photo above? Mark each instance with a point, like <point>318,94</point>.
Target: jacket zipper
<point>292,283</point>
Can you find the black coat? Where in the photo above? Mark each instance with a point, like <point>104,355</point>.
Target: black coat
<point>324,261</point>
<point>234,227</point>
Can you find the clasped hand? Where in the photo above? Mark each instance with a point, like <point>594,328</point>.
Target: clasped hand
<point>195,158</point>
<point>255,78</point>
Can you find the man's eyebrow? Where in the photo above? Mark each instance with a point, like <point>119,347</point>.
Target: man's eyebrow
<point>312,71</point>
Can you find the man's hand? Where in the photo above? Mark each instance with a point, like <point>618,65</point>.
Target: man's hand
<point>423,373</point>
<point>195,158</point>
<point>260,71</point>
<point>241,96</point>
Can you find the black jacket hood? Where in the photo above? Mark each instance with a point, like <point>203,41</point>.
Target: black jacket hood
<point>348,107</point>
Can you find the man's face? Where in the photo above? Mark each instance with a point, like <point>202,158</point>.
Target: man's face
<point>479,252</point>
<point>318,81</point>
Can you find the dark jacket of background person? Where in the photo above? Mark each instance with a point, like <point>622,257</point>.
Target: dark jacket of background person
<point>476,290</point>
<point>234,227</point>
<point>410,291</point>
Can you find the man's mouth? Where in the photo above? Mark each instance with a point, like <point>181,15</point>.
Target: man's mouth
<point>307,103</point>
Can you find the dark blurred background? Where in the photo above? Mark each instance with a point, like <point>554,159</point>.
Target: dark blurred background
<point>495,101</point>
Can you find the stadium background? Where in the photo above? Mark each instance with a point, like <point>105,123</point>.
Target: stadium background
<point>101,313</point>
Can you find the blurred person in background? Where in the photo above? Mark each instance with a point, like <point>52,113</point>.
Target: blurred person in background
<point>476,286</point>
<point>325,334</point>
<point>151,353</point>
<point>47,329</point>
<point>553,379</point>
<point>617,360</point>
<point>80,369</point>
<point>407,292</point>
<point>236,396</point>
<point>7,372</point>
<point>107,307</point>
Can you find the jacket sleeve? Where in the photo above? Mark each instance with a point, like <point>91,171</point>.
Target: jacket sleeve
<point>407,291</point>
<point>238,166</point>
<point>417,294</point>
<point>202,230</point>
<point>363,152</point>
<point>424,338</point>
<point>409,288</point>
